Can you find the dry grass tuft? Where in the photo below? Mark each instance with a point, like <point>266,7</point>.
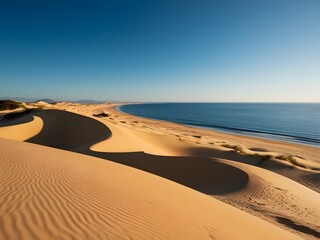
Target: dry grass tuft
<point>236,148</point>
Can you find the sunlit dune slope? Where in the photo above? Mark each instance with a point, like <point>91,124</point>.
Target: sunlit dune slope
<point>49,193</point>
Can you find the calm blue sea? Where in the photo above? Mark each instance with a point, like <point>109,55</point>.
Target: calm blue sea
<point>291,122</point>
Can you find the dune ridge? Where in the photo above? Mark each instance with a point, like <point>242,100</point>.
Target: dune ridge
<point>186,160</point>
<point>22,129</point>
<point>199,173</point>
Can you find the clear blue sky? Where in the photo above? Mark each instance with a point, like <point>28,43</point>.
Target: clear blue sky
<point>161,50</point>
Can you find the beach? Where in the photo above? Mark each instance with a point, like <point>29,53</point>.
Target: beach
<point>89,171</point>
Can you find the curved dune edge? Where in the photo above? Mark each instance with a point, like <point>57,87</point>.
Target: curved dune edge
<point>48,193</point>
<point>74,132</point>
<point>126,141</point>
<point>69,131</point>
<point>301,156</point>
<point>126,145</point>
<point>267,194</point>
<point>23,131</point>
<point>276,197</point>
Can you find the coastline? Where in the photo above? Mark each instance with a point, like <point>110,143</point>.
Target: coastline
<point>236,131</point>
<point>207,164</point>
<point>234,138</point>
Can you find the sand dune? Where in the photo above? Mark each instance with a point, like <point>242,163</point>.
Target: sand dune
<point>283,205</point>
<point>175,156</point>
<point>69,131</point>
<point>48,193</point>
<point>22,128</point>
<point>277,199</point>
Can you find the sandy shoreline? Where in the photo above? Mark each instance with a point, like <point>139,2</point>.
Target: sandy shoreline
<point>262,146</point>
<point>244,172</point>
<point>222,130</point>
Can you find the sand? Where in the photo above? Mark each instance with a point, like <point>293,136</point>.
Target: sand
<point>85,181</point>
<point>22,128</point>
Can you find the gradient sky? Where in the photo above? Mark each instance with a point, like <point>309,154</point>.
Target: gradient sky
<point>161,50</point>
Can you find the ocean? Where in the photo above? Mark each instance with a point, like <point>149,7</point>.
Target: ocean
<point>290,122</point>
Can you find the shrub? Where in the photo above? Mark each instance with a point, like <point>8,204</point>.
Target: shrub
<point>196,136</point>
<point>282,157</point>
<point>9,105</point>
<point>264,158</point>
<point>236,148</point>
<point>291,159</point>
<point>101,114</point>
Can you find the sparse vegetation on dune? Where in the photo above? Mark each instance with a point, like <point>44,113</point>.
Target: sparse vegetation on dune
<point>102,114</point>
<point>236,148</point>
<point>196,136</point>
<point>264,158</point>
<point>10,105</point>
<point>291,159</point>
<point>288,158</point>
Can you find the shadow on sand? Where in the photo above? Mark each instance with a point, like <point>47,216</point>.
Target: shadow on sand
<point>73,132</point>
<point>21,117</point>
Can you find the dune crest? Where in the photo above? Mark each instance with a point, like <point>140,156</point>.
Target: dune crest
<point>61,130</point>
<point>22,131</point>
<point>187,159</point>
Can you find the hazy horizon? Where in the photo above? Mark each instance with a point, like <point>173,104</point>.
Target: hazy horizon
<point>168,51</point>
<point>23,99</point>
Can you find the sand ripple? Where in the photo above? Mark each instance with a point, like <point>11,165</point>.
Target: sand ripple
<point>53,194</point>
